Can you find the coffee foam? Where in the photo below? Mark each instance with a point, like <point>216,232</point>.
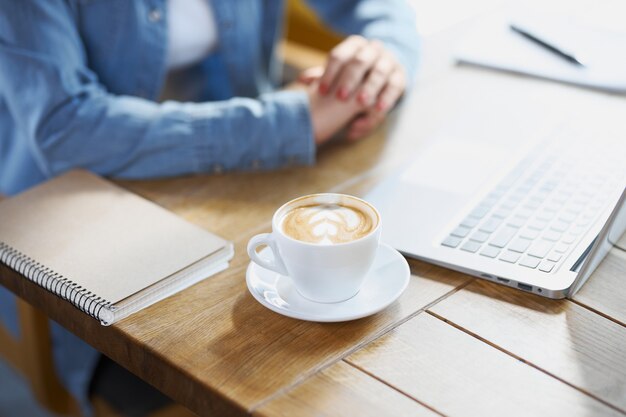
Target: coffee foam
<point>327,224</point>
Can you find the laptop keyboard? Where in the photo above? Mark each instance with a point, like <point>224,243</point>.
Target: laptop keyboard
<point>541,209</point>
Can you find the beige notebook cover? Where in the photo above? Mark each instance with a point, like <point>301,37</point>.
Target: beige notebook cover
<point>104,248</point>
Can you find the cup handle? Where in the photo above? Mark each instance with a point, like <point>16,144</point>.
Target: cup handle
<point>277,264</point>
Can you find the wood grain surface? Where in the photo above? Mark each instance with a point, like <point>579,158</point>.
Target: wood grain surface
<point>563,338</point>
<point>214,342</point>
<point>343,390</point>
<point>457,374</point>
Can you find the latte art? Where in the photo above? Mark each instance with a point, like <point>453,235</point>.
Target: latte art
<point>327,223</point>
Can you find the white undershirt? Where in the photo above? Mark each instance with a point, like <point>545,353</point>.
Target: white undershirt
<point>192,32</point>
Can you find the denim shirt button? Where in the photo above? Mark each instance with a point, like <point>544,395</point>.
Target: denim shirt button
<point>292,160</point>
<point>218,169</point>
<point>155,15</point>
<point>256,164</point>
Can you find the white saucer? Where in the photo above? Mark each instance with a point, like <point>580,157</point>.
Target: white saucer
<point>385,282</point>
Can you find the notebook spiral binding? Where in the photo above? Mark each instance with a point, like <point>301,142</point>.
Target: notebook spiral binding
<point>84,300</point>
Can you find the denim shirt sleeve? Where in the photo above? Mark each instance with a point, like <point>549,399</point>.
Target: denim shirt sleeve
<point>70,119</point>
<point>390,21</point>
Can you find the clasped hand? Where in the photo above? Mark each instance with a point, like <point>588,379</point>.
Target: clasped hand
<point>357,87</point>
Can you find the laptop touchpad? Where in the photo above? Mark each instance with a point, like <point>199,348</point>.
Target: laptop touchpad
<point>457,166</point>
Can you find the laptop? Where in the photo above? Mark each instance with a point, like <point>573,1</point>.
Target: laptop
<point>533,214</point>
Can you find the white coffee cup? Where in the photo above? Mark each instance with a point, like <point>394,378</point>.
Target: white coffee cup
<point>321,272</point>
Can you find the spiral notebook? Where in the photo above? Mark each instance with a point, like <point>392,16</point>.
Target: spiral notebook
<point>105,250</point>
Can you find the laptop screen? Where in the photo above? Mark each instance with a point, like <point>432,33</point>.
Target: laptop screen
<point>608,237</point>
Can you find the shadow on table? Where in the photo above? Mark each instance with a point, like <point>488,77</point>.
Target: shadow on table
<point>262,351</point>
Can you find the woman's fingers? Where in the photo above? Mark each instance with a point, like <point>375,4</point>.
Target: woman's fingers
<point>355,69</point>
<point>376,79</point>
<point>365,124</point>
<point>362,68</point>
<point>338,58</point>
<point>393,90</point>
<point>310,75</point>
<point>365,70</point>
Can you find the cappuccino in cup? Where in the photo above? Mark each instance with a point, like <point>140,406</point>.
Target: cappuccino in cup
<point>327,224</point>
<point>325,243</point>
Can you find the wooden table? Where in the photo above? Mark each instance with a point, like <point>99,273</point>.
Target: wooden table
<point>452,344</point>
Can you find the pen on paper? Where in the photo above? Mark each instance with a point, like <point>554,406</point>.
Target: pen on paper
<point>568,56</point>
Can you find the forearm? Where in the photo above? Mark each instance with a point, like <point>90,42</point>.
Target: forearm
<point>70,121</point>
<point>135,138</point>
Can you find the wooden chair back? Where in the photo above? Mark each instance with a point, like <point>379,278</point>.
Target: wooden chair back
<point>305,28</point>
<point>31,354</point>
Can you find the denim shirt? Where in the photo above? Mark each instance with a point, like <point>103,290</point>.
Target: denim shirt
<point>80,81</point>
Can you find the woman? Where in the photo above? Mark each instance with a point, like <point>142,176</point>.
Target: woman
<point>81,83</point>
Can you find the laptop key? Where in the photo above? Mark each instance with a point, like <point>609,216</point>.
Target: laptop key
<point>516,221</point>
<point>575,208</point>
<point>540,248</point>
<point>569,239</point>
<point>503,237</point>
<point>567,217</point>
<point>471,246</point>
<point>552,236</point>
<point>509,204</point>
<point>480,237</point>
<point>559,226</point>
<point>509,256</point>
<point>519,245</point>
<point>451,241</point>
<point>561,248</point>
<point>480,211</point>
<point>529,234</point>
<point>502,213</point>
<point>524,213</point>
<point>490,251</point>
<point>496,194</point>
<point>532,204</point>
<point>491,200</point>
<point>529,262</point>
<point>490,225</point>
<point>546,266</point>
<point>461,231</point>
<point>538,224</point>
<point>470,222</point>
<point>545,216</point>
<point>552,208</point>
<point>554,256</point>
